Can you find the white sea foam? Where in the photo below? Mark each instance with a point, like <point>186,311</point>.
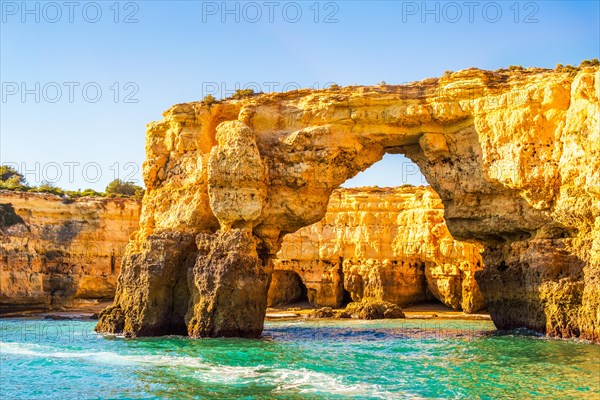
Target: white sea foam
<point>284,379</point>
<point>17,349</point>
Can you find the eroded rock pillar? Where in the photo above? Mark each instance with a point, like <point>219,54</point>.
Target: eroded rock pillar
<point>229,285</point>
<point>229,281</point>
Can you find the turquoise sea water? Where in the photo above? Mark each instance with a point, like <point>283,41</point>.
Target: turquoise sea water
<point>314,359</point>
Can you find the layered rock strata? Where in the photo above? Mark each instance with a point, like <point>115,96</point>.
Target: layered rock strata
<point>387,244</point>
<point>377,231</point>
<point>513,155</point>
<point>59,252</point>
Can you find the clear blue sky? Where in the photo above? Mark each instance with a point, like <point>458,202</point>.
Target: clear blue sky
<point>178,51</point>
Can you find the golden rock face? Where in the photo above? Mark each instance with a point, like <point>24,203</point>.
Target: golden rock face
<point>393,243</point>
<point>513,155</point>
<point>388,244</point>
<point>237,186</point>
<point>58,252</point>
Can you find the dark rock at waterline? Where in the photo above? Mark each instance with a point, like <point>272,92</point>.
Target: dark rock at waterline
<point>374,310</point>
<point>57,317</point>
<point>324,312</point>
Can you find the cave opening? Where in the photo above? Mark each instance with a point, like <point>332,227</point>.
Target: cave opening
<point>286,289</point>
<point>303,296</point>
<point>346,298</point>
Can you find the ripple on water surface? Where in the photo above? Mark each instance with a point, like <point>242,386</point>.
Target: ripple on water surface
<point>392,359</point>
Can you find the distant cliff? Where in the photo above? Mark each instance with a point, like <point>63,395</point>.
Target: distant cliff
<point>59,252</point>
<point>387,244</point>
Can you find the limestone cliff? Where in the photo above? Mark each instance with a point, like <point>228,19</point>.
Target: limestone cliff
<point>389,244</point>
<point>513,155</point>
<point>394,244</point>
<point>58,252</point>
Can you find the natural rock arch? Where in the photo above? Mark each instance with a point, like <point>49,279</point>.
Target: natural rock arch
<point>512,154</point>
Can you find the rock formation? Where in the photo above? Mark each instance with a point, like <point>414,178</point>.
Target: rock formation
<point>375,230</point>
<point>377,309</point>
<point>513,155</point>
<point>59,252</point>
<point>228,285</point>
<point>379,244</point>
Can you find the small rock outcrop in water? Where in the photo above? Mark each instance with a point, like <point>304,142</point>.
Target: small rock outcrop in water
<point>59,253</point>
<point>368,309</point>
<point>386,244</point>
<point>513,155</point>
<point>323,312</point>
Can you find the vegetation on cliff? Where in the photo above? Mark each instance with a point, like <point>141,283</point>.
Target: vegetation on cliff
<point>11,179</point>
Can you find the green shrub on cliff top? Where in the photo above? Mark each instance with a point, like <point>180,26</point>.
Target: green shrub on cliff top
<point>11,179</point>
<point>590,63</point>
<point>119,188</point>
<point>48,187</point>
<point>572,70</point>
<point>242,93</point>
<point>209,100</point>
<point>84,193</point>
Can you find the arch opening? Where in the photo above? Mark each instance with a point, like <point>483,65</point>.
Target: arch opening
<point>391,171</point>
<point>400,249</point>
